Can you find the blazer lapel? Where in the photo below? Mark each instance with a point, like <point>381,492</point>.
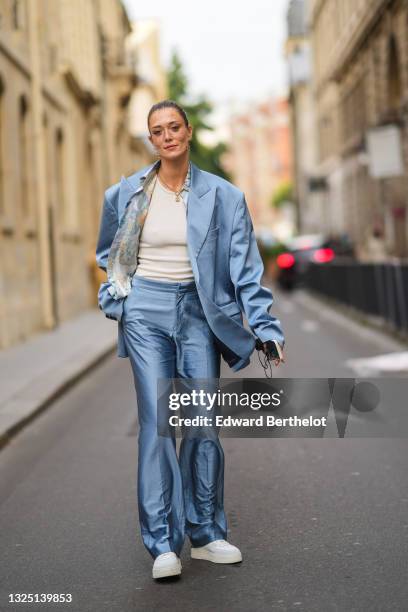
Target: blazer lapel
<point>126,191</point>
<point>200,207</point>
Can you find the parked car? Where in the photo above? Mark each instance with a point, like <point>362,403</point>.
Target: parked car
<point>306,249</point>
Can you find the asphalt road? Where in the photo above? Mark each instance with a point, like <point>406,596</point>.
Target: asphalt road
<point>322,523</point>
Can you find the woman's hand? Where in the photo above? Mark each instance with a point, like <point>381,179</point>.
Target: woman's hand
<point>270,348</point>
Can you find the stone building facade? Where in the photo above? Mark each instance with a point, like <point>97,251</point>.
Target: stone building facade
<point>360,57</point>
<point>65,88</point>
<point>302,115</point>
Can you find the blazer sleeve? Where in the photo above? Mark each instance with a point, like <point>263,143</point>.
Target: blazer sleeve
<point>107,231</point>
<point>246,270</point>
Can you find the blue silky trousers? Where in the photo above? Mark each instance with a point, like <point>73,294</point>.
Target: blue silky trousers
<point>167,336</point>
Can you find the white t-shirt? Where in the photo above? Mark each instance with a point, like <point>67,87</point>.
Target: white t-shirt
<point>163,251</point>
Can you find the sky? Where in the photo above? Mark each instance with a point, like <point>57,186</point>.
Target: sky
<point>233,55</point>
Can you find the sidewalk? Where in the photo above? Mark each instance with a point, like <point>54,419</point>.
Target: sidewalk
<point>33,373</point>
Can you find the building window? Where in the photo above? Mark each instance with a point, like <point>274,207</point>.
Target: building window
<point>17,14</point>
<point>354,116</point>
<point>23,140</point>
<point>394,75</point>
<point>60,173</point>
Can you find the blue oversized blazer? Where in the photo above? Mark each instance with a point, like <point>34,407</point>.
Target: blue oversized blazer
<point>224,257</point>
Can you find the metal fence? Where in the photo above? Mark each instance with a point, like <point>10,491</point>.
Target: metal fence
<point>377,289</point>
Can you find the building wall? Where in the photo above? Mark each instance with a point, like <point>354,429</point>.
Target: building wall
<point>308,198</point>
<point>361,56</point>
<point>64,92</point>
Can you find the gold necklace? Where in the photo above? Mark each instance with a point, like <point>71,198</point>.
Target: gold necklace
<point>176,192</point>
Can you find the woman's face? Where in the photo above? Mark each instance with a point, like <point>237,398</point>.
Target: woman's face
<point>168,133</point>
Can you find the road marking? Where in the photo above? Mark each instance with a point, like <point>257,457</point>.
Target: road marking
<point>371,366</point>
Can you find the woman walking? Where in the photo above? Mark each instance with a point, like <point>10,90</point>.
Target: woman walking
<point>183,265</point>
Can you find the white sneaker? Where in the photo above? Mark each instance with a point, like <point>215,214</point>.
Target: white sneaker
<point>218,551</point>
<point>167,564</point>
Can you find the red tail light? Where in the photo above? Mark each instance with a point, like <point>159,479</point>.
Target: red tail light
<point>285,260</point>
<point>323,255</point>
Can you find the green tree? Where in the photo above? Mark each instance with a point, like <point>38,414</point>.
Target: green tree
<point>283,193</point>
<point>198,111</point>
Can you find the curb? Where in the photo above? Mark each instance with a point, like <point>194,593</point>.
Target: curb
<point>22,409</point>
